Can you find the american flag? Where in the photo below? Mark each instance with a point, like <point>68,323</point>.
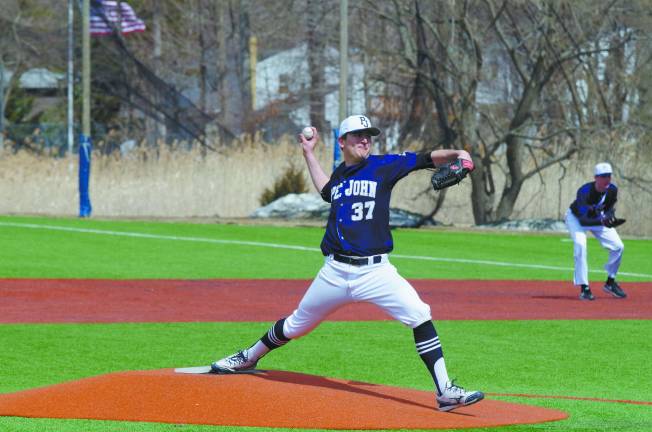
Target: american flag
<point>109,15</point>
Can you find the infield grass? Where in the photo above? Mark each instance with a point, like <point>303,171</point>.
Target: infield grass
<point>604,359</point>
<point>83,248</point>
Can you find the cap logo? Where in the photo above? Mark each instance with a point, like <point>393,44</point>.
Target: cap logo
<point>356,123</point>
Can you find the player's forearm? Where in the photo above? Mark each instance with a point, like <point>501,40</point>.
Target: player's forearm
<point>442,156</point>
<point>317,174</point>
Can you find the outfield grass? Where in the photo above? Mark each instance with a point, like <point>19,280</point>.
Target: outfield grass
<point>38,248</point>
<point>599,359</point>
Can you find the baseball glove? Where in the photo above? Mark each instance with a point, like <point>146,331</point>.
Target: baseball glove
<point>451,173</point>
<point>613,222</point>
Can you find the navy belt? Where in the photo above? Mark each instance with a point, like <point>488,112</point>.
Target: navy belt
<point>358,261</point>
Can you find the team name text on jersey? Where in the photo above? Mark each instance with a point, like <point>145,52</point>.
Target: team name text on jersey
<point>355,188</point>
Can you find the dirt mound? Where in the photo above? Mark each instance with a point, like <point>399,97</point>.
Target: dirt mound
<point>263,399</point>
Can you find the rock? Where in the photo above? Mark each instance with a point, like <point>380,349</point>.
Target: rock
<point>404,218</point>
<point>545,224</point>
<point>311,206</point>
<point>294,206</point>
<point>127,147</point>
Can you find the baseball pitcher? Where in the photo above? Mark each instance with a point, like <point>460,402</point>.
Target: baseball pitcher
<point>356,246</point>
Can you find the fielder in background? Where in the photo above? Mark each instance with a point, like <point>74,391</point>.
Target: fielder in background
<point>594,210</point>
<point>356,246</point>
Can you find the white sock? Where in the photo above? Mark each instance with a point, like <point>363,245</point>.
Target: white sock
<point>441,374</point>
<point>256,351</point>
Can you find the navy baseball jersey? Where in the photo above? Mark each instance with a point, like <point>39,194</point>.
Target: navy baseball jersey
<point>358,223</point>
<point>591,206</point>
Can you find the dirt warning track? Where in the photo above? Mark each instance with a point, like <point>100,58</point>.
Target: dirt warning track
<point>86,301</point>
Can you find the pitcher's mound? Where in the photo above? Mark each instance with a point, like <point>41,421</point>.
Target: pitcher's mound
<point>266,398</point>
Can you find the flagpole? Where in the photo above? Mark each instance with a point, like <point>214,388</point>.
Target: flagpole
<point>344,57</point>
<point>86,69</point>
<point>71,72</point>
<point>344,75</point>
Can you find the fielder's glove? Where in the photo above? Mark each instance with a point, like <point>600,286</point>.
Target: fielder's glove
<point>451,173</point>
<point>613,222</point>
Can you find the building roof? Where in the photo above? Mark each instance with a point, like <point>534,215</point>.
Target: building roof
<point>36,78</point>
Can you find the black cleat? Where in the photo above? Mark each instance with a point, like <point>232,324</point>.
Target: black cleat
<point>586,294</point>
<point>614,289</point>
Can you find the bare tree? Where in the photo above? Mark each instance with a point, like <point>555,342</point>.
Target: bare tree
<point>316,43</point>
<point>523,85</point>
<point>155,125</point>
<point>29,38</point>
<point>517,82</point>
<point>233,77</point>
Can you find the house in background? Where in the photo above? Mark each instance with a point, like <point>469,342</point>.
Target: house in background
<point>283,86</point>
<point>46,87</point>
<point>42,80</point>
<point>37,79</point>
<point>46,90</point>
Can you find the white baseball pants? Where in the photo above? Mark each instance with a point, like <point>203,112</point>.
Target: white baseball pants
<point>338,284</point>
<point>608,238</point>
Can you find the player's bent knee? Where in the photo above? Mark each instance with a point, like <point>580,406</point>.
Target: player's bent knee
<point>617,248</point>
<point>293,329</point>
<point>418,316</point>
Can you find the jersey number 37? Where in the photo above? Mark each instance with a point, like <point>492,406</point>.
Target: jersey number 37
<point>359,210</point>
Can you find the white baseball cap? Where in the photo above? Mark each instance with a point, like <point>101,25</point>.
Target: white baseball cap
<point>357,123</point>
<point>602,168</point>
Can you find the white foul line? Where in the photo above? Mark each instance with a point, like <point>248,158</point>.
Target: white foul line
<point>157,236</point>
<point>292,247</point>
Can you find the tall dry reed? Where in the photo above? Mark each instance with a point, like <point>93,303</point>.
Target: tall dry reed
<point>168,183</point>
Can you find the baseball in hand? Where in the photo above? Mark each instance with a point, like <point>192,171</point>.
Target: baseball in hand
<point>307,132</point>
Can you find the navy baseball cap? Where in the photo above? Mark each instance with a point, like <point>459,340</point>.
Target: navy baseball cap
<point>357,123</point>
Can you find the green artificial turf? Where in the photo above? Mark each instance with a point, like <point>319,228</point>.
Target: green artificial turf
<point>141,250</point>
<point>605,359</point>
<point>544,358</point>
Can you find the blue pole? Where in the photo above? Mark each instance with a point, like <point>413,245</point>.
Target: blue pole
<point>336,149</point>
<point>85,148</point>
